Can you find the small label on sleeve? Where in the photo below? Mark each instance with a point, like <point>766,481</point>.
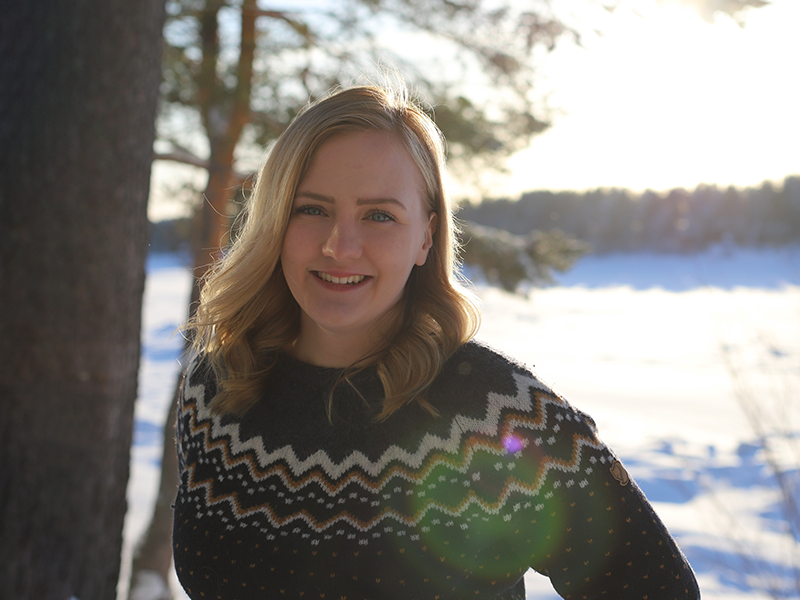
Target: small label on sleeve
<point>619,473</point>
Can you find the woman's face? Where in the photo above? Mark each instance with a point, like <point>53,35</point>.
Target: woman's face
<point>358,226</point>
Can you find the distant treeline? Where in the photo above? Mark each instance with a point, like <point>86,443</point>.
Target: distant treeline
<point>615,220</point>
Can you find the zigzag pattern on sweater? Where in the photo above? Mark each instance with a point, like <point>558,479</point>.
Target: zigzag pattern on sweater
<point>521,417</point>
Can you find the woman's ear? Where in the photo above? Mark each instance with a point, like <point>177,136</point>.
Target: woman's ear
<point>430,229</point>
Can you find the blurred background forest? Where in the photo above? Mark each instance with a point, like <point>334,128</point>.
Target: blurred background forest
<point>674,221</point>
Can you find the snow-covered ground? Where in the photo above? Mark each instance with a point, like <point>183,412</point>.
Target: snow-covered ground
<point>675,357</point>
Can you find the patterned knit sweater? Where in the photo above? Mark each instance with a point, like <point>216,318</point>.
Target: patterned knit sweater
<point>282,503</point>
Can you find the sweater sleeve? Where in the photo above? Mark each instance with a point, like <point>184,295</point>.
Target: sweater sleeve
<point>587,525</point>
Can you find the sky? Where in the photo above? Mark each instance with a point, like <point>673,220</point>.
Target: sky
<point>661,99</point>
<point>666,100</point>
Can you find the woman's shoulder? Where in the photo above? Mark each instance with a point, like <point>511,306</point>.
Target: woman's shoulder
<point>479,361</point>
<point>199,377</point>
<point>480,375</point>
<point>481,355</point>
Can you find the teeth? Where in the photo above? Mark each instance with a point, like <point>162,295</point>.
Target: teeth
<point>340,280</point>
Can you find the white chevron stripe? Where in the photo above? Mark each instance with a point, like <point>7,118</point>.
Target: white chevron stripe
<point>461,425</point>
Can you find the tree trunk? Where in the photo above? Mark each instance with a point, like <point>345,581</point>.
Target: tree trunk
<point>78,85</point>
<point>153,556</point>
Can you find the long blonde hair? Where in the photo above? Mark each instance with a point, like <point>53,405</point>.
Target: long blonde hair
<point>246,311</point>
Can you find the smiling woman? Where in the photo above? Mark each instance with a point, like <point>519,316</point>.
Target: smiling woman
<point>340,435</point>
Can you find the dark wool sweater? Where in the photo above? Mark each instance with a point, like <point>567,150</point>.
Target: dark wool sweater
<point>282,503</point>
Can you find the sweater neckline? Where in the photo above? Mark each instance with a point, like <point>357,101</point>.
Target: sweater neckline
<point>299,370</point>
<point>306,368</point>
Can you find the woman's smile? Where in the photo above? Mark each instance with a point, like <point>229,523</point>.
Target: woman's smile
<point>349,280</point>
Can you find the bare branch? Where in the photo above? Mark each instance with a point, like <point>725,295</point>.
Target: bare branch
<point>262,118</point>
<point>183,157</point>
<point>281,15</point>
<point>187,158</point>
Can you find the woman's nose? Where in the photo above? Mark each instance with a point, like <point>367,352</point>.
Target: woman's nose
<point>343,242</point>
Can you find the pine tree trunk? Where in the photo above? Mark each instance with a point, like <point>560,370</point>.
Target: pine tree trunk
<point>78,84</point>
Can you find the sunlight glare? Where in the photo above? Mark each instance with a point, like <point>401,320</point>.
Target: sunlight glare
<point>665,100</point>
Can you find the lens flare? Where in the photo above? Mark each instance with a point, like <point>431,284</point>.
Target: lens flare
<point>513,443</point>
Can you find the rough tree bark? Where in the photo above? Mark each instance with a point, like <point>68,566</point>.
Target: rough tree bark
<point>78,88</point>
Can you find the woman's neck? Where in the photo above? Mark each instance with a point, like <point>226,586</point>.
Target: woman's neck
<point>324,348</point>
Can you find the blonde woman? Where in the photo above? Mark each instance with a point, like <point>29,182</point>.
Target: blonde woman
<point>340,433</point>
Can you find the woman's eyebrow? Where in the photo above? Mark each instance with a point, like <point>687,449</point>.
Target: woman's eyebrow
<point>359,202</point>
<point>315,196</point>
<point>374,201</point>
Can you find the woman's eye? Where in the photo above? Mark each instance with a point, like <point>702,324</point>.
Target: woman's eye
<point>380,216</point>
<point>310,210</point>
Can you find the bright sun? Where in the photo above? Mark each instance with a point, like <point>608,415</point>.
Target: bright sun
<point>665,99</point>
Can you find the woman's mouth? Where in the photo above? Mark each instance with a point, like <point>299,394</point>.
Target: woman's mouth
<point>349,280</point>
